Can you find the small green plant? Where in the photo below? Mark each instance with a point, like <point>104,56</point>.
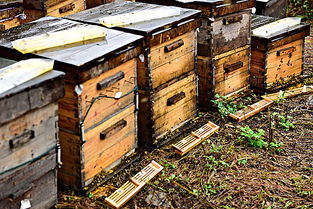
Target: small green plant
<point>242,161</point>
<point>284,121</point>
<point>224,105</point>
<point>276,145</point>
<point>254,139</point>
<point>215,148</point>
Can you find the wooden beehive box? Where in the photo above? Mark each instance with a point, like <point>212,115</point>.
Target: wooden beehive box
<point>225,74</point>
<point>225,26</point>
<point>276,59</point>
<point>28,141</point>
<point>272,8</point>
<point>35,9</point>
<point>166,69</point>
<point>11,12</point>
<point>94,133</point>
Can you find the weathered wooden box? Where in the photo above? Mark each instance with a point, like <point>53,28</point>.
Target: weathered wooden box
<point>225,74</point>
<point>272,8</point>
<point>276,59</point>
<point>11,12</point>
<point>225,26</point>
<point>35,9</point>
<point>94,3</point>
<point>96,130</point>
<point>28,141</point>
<point>166,69</point>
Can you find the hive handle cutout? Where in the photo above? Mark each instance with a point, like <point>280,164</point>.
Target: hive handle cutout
<point>176,98</point>
<point>175,45</point>
<point>21,139</point>
<point>67,8</point>
<point>107,133</point>
<point>232,67</point>
<point>286,51</point>
<point>233,19</point>
<point>110,80</point>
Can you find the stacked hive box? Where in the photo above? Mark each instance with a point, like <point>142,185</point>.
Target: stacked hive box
<point>28,141</point>
<point>272,8</point>
<point>277,58</point>
<point>95,133</point>
<point>223,46</point>
<point>11,12</point>
<point>35,9</point>
<point>166,70</point>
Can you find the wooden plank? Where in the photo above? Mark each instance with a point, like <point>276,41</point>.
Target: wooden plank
<point>28,136</point>
<point>20,180</point>
<point>224,34</point>
<point>251,110</point>
<point>195,138</point>
<point>12,75</point>
<point>133,186</point>
<point>60,38</point>
<point>101,151</point>
<point>289,93</point>
<point>139,16</point>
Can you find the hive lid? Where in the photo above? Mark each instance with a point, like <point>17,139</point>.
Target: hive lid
<point>76,55</point>
<point>29,83</point>
<point>147,25</point>
<point>272,28</point>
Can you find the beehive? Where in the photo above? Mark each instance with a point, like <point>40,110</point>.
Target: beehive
<point>97,115</point>
<point>11,13</point>
<point>166,70</point>
<point>28,141</point>
<point>272,8</point>
<point>224,32</point>
<point>35,9</point>
<point>277,58</point>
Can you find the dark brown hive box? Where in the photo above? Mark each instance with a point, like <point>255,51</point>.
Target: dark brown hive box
<point>277,58</point>
<point>272,8</point>
<point>35,9</point>
<point>94,133</point>
<point>166,68</point>
<point>11,12</point>
<point>28,141</point>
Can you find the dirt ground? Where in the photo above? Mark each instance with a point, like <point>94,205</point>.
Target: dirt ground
<point>225,171</point>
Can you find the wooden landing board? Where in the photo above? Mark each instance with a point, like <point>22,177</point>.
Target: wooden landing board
<point>133,186</point>
<point>289,93</point>
<point>251,110</point>
<point>195,138</point>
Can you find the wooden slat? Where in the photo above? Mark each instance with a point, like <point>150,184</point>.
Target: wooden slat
<point>196,137</point>
<point>289,93</point>
<point>251,110</point>
<point>139,16</point>
<point>133,186</point>
<point>59,38</point>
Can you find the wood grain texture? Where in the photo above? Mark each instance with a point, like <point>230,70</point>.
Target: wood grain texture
<point>213,77</point>
<point>36,181</point>
<point>82,161</point>
<point>43,124</point>
<point>157,117</point>
<point>217,36</point>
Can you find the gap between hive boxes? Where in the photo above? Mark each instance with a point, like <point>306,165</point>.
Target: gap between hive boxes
<point>133,186</point>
